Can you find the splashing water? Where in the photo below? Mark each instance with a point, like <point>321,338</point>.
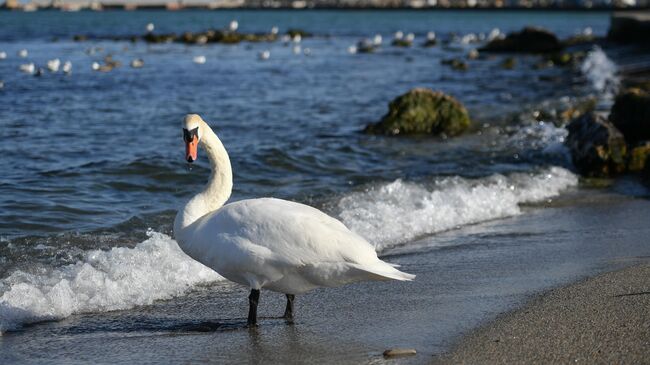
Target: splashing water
<point>401,211</point>
<point>601,73</point>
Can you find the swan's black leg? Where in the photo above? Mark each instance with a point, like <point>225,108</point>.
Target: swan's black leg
<point>288,312</point>
<point>253,299</point>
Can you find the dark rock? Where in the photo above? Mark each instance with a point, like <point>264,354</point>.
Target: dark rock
<point>509,63</point>
<point>639,157</point>
<point>456,64</point>
<point>366,46</point>
<point>529,40</point>
<point>564,58</point>
<point>579,39</point>
<point>80,38</point>
<point>631,115</point>
<point>160,38</point>
<point>294,32</point>
<point>402,43</point>
<point>429,43</point>
<point>423,111</point>
<point>630,27</point>
<point>597,147</point>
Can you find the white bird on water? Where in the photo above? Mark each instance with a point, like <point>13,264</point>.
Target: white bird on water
<point>150,27</point>
<point>233,25</point>
<point>199,59</point>
<point>264,55</point>
<point>67,67</point>
<point>23,53</point>
<point>53,65</point>
<point>28,68</point>
<point>268,243</point>
<point>3,55</point>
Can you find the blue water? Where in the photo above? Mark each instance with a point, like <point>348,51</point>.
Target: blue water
<point>91,150</point>
<point>93,172</point>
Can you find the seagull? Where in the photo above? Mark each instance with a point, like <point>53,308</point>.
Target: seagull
<point>352,49</point>
<point>199,59</point>
<point>399,35</point>
<point>233,26</point>
<point>377,40</point>
<point>67,67</point>
<point>137,63</point>
<point>275,30</point>
<point>53,65</point>
<point>28,68</point>
<point>264,55</point>
<point>3,55</point>
<point>23,53</point>
<point>150,27</point>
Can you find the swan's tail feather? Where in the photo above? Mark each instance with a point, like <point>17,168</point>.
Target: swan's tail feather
<point>385,271</point>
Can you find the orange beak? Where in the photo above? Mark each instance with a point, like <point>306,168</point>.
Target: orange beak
<point>191,149</point>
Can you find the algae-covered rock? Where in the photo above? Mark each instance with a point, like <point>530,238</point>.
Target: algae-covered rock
<point>160,38</point>
<point>528,40</point>
<point>597,147</point>
<point>509,63</point>
<point>430,43</point>
<point>423,111</point>
<point>294,32</point>
<point>639,157</point>
<point>456,64</point>
<point>631,115</point>
<point>402,43</point>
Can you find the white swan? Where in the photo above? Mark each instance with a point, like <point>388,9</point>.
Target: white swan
<point>268,243</point>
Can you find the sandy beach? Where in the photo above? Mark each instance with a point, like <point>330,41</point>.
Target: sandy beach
<point>601,320</point>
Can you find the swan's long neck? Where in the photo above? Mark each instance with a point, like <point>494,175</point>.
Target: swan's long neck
<point>219,186</point>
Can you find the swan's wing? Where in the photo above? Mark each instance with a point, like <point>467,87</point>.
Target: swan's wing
<point>286,231</point>
<point>268,238</point>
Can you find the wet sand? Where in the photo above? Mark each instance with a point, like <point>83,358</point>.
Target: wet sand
<point>602,320</point>
<point>465,278</point>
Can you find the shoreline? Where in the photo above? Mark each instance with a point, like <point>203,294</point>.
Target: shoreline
<point>601,319</point>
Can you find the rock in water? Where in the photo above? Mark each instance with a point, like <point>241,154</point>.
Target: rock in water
<point>423,111</point>
<point>630,27</point>
<point>639,157</point>
<point>529,40</point>
<point>631,115</point>
<point>597,148</point>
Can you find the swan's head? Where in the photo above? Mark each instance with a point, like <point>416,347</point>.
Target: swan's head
<point>192,132</point>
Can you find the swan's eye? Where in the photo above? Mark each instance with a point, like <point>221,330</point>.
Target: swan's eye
<point>188,136</point>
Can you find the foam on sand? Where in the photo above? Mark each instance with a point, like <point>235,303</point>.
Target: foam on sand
<point>120,278</point>
<point>400,211</point>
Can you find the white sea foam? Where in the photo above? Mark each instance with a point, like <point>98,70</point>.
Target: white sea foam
<point>123,278</point>
<point>401,211</point>
<point>120,278</point>
<point>601,72</point>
